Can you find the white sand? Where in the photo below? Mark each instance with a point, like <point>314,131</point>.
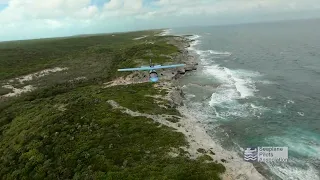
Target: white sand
<point>26,78</point>
<point>138,38</point>
<point>134,78</point>
<point>78,79</point>
<point>42,73</point>
<point>122,81</point>
<point>17,91</point>
<point>164,32</point>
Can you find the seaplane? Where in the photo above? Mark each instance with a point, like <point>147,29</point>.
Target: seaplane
<point>153,75</point>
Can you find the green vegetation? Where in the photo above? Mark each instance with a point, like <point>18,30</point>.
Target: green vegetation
<point>200,150</point>
<point>68,130</point>
<point>4,91</point>
<point>205,158</point>
<point>173,119</point>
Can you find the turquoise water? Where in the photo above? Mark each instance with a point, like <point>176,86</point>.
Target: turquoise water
<point>259,85</point>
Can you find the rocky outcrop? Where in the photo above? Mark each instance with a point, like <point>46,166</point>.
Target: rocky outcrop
<point>176,95</point>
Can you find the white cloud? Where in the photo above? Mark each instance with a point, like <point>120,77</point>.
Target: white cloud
<point>23,10</point>
<point>53,23</point>
<point>216,7</point>
<point>113,5</point>
<point>4,2</point>
<point>45,15</point>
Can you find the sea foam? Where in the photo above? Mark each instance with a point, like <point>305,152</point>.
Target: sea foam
<point>241,83</point>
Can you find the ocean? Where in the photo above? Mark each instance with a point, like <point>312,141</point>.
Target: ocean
<point>259,85</point>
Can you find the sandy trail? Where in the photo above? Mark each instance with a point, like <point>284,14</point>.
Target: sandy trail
<point>39,74</point>
<point>17,91</point>
<point>138,38</point>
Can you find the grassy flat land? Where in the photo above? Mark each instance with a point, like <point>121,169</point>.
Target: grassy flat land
<point>67,130</point>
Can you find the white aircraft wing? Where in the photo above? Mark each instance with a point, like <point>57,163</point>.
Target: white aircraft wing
<point>169,66</point>
<point>147,68</point>
<point>136,69</point>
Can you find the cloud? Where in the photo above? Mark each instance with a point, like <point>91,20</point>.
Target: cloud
<point>68,17</point>
<point>113,5</point>
<point>23,10</point>
<point>218,7</point>
<point>4,2</point>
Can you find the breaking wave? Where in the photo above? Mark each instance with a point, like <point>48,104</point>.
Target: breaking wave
<point>239,84</point>
<point>212,52</point>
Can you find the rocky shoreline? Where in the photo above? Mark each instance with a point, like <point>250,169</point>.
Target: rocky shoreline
<point>200,142</point>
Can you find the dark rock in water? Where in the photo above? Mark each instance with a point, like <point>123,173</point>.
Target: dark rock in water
<point>181,71</point>
<point>223,160</point>
<point>190,68</point>
<point>177,76</point>
<point>200,150</point>
<point>181,93</point>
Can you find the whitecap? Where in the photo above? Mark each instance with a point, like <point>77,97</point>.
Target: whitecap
<point>194,37</point>
<point>220,53</point>
<point>290,102</point>
<point>233,80</point>
<point>301,113</point>
<point>190,96</point>
<point>268,97</point>
<point>212,52</point>
<point>266,82</point>
<point>304,143</point>
<point>285,171</point>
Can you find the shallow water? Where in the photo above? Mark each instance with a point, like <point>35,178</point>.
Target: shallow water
<point>259,85</point>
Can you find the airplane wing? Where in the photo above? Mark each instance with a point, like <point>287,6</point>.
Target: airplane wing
<point>147,68</point>
<point>169,66</point>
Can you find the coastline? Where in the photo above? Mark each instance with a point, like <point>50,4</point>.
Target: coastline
<point>199,145</point>
<point>236,167</point>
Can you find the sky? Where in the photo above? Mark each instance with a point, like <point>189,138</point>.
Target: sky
<point>29,19</point>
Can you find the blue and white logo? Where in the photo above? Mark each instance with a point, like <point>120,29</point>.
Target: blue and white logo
<point>251,154</point>
<point>266,154</point>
